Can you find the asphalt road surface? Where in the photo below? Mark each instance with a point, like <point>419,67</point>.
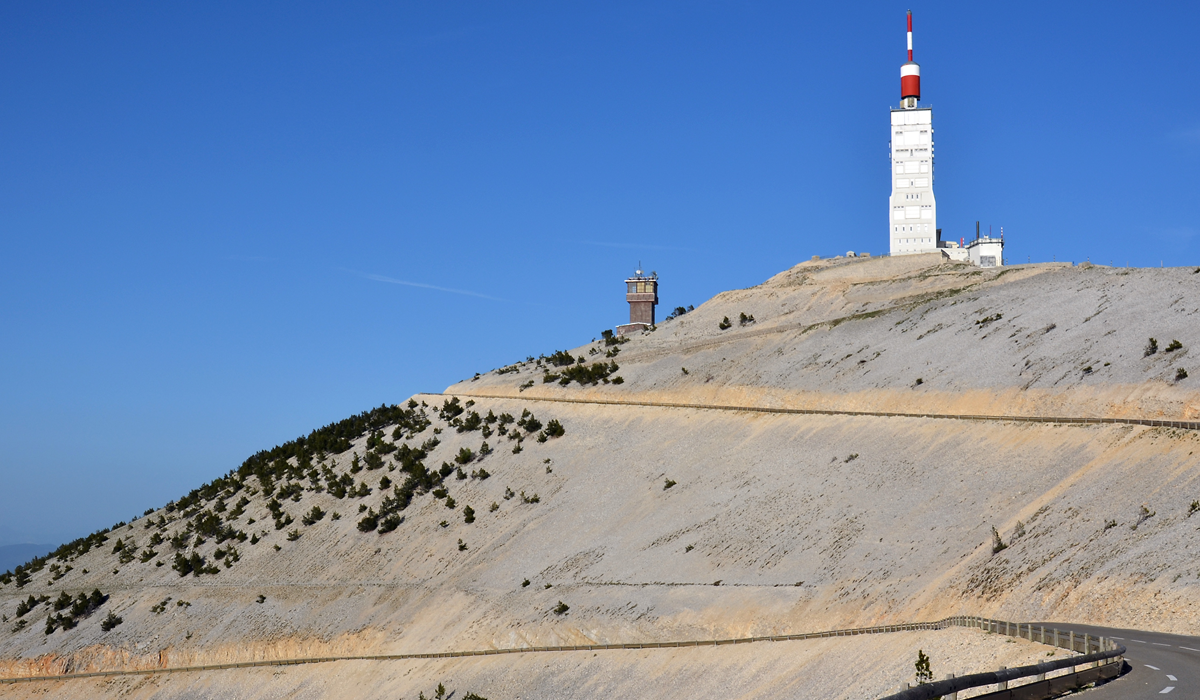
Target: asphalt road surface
<point>1163,666</point>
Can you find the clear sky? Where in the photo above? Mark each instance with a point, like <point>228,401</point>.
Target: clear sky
<point>226,224</point>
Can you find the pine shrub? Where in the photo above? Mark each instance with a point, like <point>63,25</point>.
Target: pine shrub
<point>997,543</point>
<point>109,622</point>
<point>923,672</point>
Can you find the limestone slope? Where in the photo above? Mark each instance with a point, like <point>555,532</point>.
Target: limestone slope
<point>858,334</point>
<point>773,523</point>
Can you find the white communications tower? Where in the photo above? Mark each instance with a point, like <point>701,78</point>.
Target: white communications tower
<point>913,211</point>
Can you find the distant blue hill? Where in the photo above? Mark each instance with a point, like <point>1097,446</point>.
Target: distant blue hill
<point>14,555</point>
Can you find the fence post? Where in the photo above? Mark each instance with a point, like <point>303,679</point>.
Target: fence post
<point>954,695</point>
<point>1042,637</point>
<point>1002,685</point>
<point>1056,642</point>
<point>1072,641</point>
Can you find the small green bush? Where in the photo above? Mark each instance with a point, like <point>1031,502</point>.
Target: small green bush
<point>111,621</point>
<point>679,311</point>
<point>462,546</point>
<point>468,514</point>
<point>1174,345</point>
<point>314,515</point>
<point>369,522</point>
<point>724,324</point>
<point>584,374</point>
<point>390,523</point>
<point>669,483</point>
<point>610,339</point>
<point>1151,348</point>
<point>1180,374</point>
<point>997,543</point>
<point>561,358</point>
<point>1144,514</point>
<point>561,608</point>
<point>924,673</point>
<point>194,565</point>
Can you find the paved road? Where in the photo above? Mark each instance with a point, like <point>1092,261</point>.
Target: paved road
<point>1162,665</point>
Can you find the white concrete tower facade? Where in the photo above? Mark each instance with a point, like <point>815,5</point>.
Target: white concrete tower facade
<point>912,214</point>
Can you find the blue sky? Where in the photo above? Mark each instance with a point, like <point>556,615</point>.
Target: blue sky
<point>226,224</point>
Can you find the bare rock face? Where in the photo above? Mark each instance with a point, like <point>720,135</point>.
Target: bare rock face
<point>464,520</point>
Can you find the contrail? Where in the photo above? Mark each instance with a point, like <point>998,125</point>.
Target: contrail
<point>637,246</point>
<point>393,280</point>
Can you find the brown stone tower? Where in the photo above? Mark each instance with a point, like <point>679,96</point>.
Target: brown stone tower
<point>641,291</point>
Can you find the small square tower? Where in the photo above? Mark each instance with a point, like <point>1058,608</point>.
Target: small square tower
<point>641,291</point>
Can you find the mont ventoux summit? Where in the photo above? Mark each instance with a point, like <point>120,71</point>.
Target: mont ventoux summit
<point>801,456</point>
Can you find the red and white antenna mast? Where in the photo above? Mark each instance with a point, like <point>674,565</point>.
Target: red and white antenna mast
<point>910,75</point>
<point>910,36</point>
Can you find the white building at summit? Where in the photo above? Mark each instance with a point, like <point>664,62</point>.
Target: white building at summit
<point>913,211</point>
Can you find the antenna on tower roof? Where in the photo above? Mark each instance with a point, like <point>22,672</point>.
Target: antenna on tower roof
<point>910,35</point>
<point>910,75</point>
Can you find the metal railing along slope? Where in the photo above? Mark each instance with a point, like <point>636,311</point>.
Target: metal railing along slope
<point>1101,659</point>
<point>1069,640</point>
